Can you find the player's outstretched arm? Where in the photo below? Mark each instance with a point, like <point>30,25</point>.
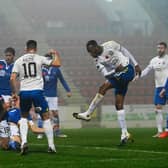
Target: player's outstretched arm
<point>146,71</point>
<point>34,128</point>
<point>63,82</point>
<point>55,58</point>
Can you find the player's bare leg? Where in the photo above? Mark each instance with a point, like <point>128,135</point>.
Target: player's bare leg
<point>4,143</point>
<point>125,135</point>
<point>48,129</point>
<point>95,102</point>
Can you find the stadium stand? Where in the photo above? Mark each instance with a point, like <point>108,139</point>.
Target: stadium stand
<point>69,34</point>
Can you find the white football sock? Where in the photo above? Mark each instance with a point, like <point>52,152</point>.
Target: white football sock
<point>97,99</point>
<point>23,126</point>
<point>122,121</point>
<point>159,120</point>
<point>49,132</point>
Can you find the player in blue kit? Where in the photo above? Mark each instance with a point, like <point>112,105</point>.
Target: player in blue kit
<point>51,75</point>
<point>6,66</point>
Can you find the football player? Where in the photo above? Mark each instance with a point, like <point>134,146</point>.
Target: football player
<point>159,65</point>
<point>13,118</point>
<point>113,61</point>
<point>51,76</point>
<point>6,66</point>
<point>29,69</point>
<point>9,130</point>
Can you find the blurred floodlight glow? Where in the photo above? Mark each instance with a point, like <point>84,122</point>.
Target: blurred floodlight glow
<point>109,0</point>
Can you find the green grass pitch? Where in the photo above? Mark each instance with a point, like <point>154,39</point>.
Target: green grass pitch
<point>92,148</point>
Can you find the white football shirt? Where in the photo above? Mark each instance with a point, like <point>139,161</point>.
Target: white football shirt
<point>160,67</point>
<point>110,58</point>
<point>28,67</point>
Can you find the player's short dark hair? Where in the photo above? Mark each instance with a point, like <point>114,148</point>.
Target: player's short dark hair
<point>10,50</point>
<point>31,44</point>
<point>91,43</point>
<point>163,43</point>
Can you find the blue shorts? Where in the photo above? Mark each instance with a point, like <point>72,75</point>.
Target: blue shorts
<point>157,99</point>
<point>121,80</point>
<point>36,98</point>
<point>14,115</point>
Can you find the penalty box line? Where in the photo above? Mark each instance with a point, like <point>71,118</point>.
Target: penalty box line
<point>106,148</point>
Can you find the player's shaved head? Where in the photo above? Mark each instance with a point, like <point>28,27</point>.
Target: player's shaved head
<point>94,48</point>
<point>91,43</point>
<point>31,44</point>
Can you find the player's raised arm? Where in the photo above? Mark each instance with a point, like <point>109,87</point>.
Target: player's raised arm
<point>146,70</point>
<point>55,58</point>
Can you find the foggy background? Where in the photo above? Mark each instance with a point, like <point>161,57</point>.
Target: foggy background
<point>67,25</point>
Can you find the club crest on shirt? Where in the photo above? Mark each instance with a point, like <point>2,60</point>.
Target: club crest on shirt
<point>111,53</point>
<point>1,66</point>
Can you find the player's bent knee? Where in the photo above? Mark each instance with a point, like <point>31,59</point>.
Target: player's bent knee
<point>4,143</point>
<point>119,106</point>
<point>158,111</point>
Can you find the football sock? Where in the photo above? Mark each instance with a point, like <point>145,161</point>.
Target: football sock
<point>122,121</point>
<point>23,130</point>
<point>49,132</point>
<point>159,119</point>
<point>97,99</point>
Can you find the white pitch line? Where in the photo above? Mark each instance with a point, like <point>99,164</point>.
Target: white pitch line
<point>107,148</point>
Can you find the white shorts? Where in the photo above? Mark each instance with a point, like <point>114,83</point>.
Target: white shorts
<point>4,129</point>
<point>14,130</point>
<point>6,98</point>
<point>52,103</point>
